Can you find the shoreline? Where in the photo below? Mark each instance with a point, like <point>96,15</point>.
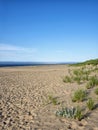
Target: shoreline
<point>15,64</point>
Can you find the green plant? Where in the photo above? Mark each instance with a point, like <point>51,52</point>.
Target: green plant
<point>85,77</point>
<point>78,114</point>
<point>88,86</point>
<point>67,79</point>
<point>76,72</point>
<point>77,79</point>
<point>66,112</point>
<point>81,72</point>
<point>96,69</point>
<point>80,75</point>
<point>90,104</point>
<point>92,83</point>
<point>79,95</point>
<point>96,91</point>
<point>53,100</point>
<point>73,112</point>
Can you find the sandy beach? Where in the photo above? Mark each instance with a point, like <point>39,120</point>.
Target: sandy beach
<point>24,103</point>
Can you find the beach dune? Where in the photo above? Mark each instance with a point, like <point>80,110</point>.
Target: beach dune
<point>24,103</point>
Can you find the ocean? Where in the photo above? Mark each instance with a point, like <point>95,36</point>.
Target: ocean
<point>13,64</point>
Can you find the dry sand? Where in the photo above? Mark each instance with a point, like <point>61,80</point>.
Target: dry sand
<point>24,103</point>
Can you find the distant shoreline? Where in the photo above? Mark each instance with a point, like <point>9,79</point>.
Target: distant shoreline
<point>16,64</point>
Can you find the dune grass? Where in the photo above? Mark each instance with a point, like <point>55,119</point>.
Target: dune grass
<point>53,100</point>
<point>79,95</point>
<point>67,79</point>
<point>83,74</point>
<point>93,81</point>
<point>96,91</point>
<point>78,75</point>
<point>88,62</point>
<point>90,104</point>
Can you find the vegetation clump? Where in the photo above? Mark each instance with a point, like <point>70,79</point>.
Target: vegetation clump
<point>89,62</point>
<point>74,112</point>
<point>67,79</point>
<point>78,75</point>
<point>81,75</point>
<point>53,100</point>
<point>90,104</point>
<point>79,95</point>
<point>92,82</point>
<point>96,91</point>
<point>77,79</point>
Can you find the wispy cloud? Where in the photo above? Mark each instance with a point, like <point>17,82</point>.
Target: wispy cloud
<point>12,52</point>
<point>8,47</point>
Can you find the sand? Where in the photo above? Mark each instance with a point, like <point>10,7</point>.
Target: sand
<point>25,104</point>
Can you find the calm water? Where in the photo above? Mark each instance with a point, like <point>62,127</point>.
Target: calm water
<point>12,64</point>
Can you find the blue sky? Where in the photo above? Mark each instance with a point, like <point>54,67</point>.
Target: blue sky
<point>48,30</point>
